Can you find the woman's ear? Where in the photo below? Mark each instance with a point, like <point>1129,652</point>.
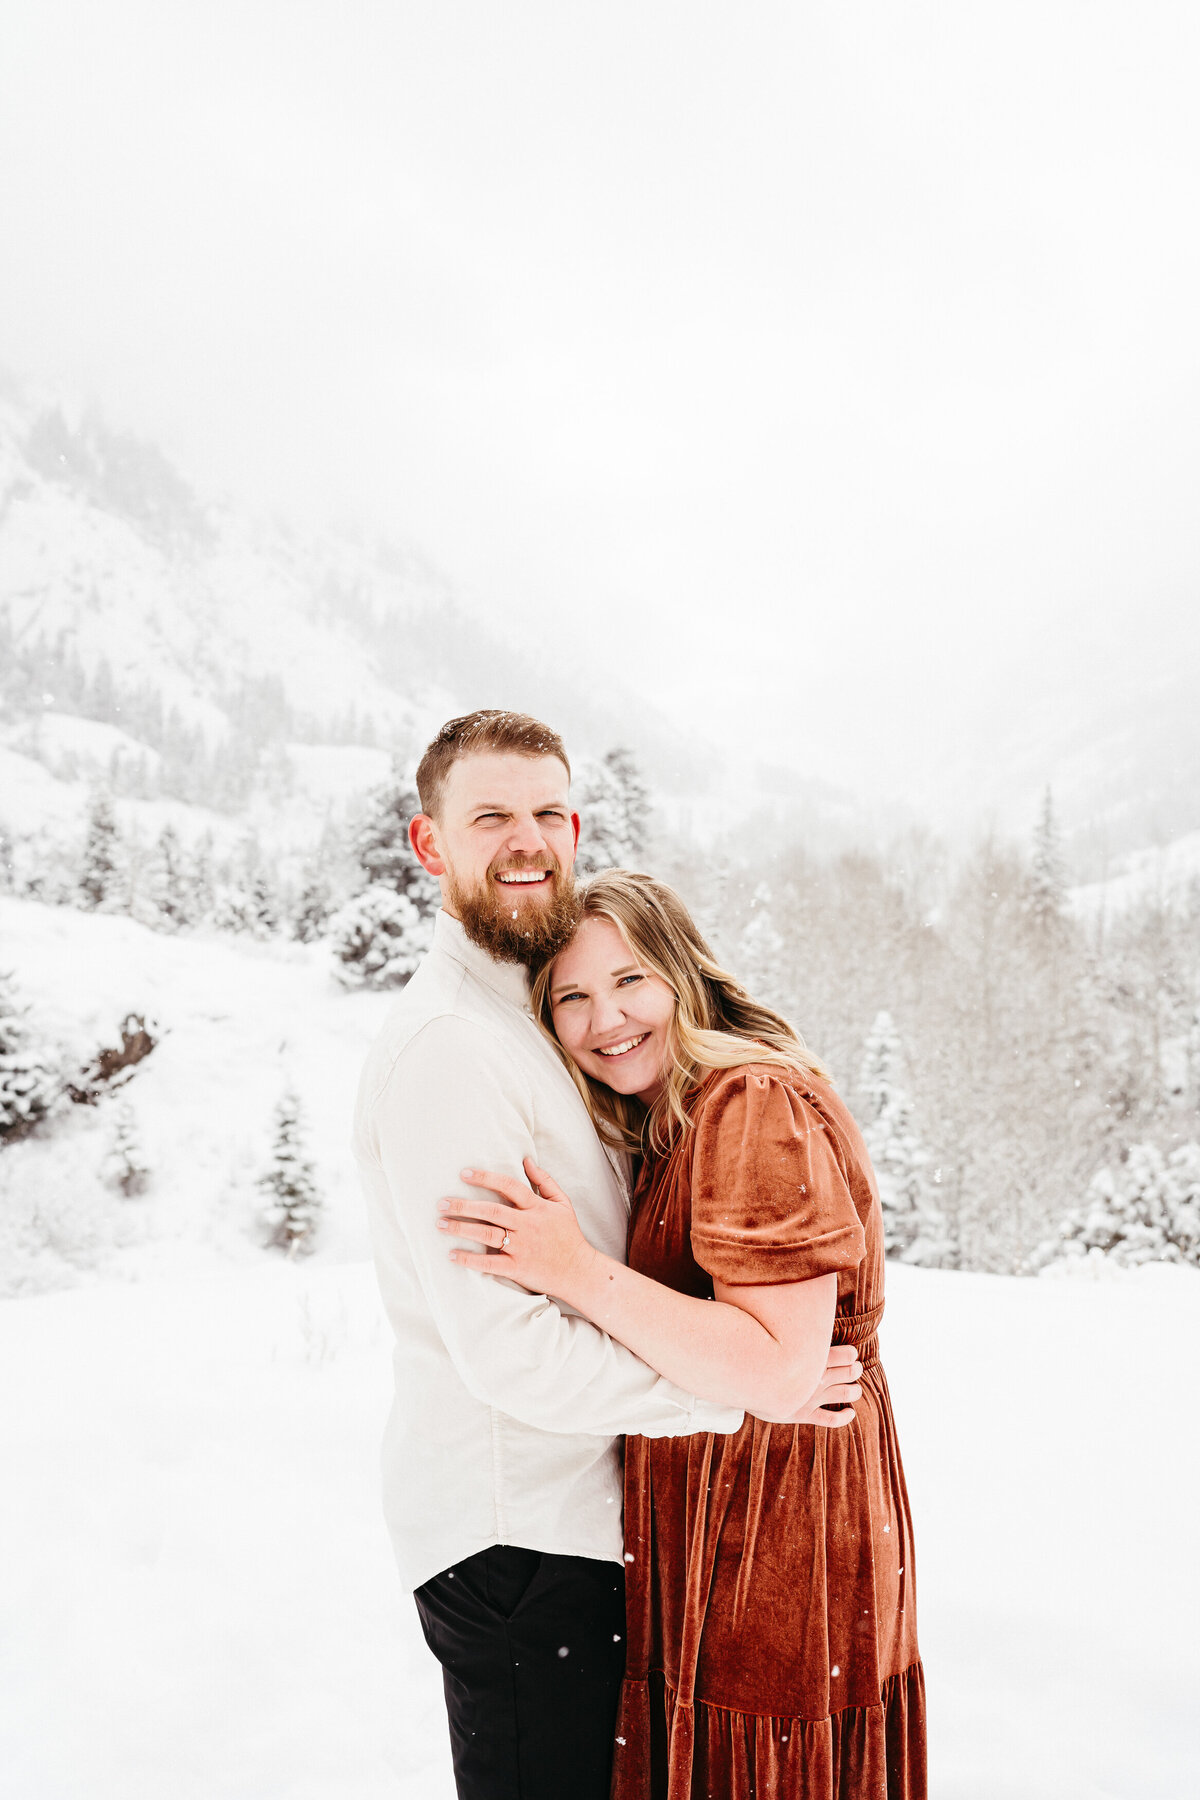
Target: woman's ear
<point>422,835</point>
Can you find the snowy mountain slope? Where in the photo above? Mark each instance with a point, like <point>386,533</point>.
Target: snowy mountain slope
<point>194,612</point>
<point>239,1020</point>
<point>135,601</point>
<point>192,1474</point>
<point>1164,872</point>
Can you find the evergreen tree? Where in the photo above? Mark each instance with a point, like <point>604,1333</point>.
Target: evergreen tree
<point>294,1205</point>
<point>198,879</point>
<point>635,801</point>
<point>125,1166</point>
<point>604,840</point>
<point>165,895</point>
<point>28,1085</point>
<point>914,1229</point>
<point>378,938</point>
<point>760,953</point>
<point>100,875</point>
<point>232,909</point>
<point>263,906</point>
<point>382,850</point>
<point>1145,1210</point>
<point>313,908</point>
<point>1048,878</point>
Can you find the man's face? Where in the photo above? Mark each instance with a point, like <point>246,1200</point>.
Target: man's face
<point>502,846</point>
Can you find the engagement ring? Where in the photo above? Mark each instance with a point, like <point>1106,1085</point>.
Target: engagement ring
<point>504,1241</point>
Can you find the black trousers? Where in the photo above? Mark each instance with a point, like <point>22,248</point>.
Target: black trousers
<point>532,1648</point>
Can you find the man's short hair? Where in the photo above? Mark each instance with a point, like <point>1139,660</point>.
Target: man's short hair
<point>490,729</point>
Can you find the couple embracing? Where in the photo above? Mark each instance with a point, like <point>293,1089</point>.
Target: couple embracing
<point>616,1206</point>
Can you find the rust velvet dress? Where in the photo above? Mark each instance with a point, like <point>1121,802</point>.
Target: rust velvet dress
<point>772,1649</point>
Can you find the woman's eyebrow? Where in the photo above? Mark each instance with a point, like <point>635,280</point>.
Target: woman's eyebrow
<point>569,987</point>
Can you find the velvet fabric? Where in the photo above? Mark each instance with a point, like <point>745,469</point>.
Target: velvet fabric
<point>769,1573</point>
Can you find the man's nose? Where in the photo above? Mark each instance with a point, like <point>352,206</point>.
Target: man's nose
<point>526,837</point>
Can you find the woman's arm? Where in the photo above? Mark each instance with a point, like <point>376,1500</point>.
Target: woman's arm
<point>761,1348</point>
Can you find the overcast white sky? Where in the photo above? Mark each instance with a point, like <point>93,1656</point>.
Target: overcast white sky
<point>832,368</point>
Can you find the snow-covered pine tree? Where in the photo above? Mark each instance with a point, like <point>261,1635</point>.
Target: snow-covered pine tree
<point>759,959</point>
<point>100,871</point>
<point>198,879</point>
<point>28,1086</point>
<point>312,911</point>
<point>381,847</point>
<point>293,1209</point>
<point>165,899</point>
<point>125,1166</point>
<point>1047,875</point>
<point>635,801</point>
<point>380,935</point>
<point>233,909</point>
<point>914,1228</point>
<point>378,938</point>
<point>1145,1210</point>
<point>264,905</point>
<point>604,840</point>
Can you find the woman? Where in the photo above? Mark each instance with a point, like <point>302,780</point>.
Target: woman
<point>771,1626</point>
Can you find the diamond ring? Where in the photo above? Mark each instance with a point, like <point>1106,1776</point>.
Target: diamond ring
<point>504,1241</point>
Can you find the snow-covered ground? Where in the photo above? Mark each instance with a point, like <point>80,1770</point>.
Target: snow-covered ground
<point>240,1021</point>
<point>199,1603</point>
<point>197,1600</point>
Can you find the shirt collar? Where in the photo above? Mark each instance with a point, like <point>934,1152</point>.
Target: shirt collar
<point>509,980</point>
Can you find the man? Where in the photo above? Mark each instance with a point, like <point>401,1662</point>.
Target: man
<point>502,1473</point>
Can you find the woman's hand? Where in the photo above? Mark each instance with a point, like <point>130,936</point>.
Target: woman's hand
<point>532,1233</point>
<point>838,1386</point>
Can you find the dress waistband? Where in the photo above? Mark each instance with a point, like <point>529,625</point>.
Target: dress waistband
<point>860,1329</point>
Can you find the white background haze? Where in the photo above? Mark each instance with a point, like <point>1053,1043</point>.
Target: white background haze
<point>829,373</point>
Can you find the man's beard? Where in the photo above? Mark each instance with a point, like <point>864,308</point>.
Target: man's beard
<point>516,930</point>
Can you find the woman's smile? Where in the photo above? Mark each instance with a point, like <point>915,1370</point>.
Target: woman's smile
<point>632,1043</point>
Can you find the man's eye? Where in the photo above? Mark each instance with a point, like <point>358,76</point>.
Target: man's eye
<point>551,812</point>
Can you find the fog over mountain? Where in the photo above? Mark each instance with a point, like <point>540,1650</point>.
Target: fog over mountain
<point>812,396</point>
<point>124,574</point>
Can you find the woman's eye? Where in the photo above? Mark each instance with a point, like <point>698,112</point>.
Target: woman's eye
<point>563,998</point>
<point>626,979</point>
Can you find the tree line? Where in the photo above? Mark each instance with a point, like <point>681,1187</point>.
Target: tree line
<point>1026,1071</point>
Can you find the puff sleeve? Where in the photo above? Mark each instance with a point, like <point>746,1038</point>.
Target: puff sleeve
<point>770,1198</point>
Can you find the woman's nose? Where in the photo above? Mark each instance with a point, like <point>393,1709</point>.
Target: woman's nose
<point>607,1012</point>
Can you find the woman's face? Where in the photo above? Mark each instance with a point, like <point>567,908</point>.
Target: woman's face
<point>611,1015</point>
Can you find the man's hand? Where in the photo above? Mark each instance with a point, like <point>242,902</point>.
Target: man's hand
<point>838,1386</point>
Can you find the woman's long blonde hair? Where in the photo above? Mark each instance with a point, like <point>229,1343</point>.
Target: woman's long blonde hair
<point>717,1025</point>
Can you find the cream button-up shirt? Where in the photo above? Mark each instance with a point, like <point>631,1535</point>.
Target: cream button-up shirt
<point>508,1407</point>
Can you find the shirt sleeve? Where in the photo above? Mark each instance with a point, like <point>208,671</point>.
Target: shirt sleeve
<point>451,1101</point>
<point>770,1199</point>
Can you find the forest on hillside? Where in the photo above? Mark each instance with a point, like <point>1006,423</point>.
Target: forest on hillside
<point>1026,1068</point>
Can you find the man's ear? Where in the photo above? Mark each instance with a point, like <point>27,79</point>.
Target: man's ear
<point>575,828</point>
<point>422,835</point>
